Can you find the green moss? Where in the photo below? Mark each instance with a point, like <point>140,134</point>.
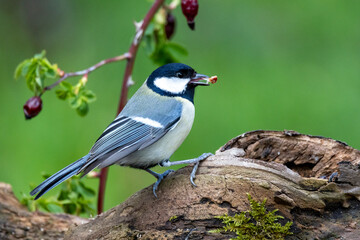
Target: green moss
<point>173,218</point>
<point>255,224</point>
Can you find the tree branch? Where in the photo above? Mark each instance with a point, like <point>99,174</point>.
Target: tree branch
<point>283,167</point>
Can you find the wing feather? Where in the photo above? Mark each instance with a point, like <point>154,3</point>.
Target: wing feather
<point>125,135</point>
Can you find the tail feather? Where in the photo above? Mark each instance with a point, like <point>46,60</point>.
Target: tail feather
<point>59,177</point>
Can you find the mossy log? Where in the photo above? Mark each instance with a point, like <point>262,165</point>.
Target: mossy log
<point>289,169</point>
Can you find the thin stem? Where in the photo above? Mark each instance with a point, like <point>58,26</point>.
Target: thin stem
<point>141,27</point>
<point>87,71</point>
<point>101,193</point>
<point>133,50</point>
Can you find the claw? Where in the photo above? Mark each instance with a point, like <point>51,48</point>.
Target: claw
<point>333,177</point>
<point>205,155</point>
<point>193,173</point>
<point>196,166</point>
<point>160,177</point>
<point>167,163</point>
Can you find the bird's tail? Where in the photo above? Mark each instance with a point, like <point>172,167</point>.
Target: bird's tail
<point>59,177</point>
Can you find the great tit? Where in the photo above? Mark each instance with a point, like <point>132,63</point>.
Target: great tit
<point>150,128</point>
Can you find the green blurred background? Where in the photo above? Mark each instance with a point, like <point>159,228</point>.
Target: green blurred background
<point>281,65</point>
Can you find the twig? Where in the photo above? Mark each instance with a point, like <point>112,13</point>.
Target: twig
<point>140,29</point>
<point>88,70</point>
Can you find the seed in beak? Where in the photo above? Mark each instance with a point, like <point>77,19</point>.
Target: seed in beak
<point>213,79</point>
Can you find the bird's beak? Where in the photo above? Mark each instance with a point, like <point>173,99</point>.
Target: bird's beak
<point>199,79</point>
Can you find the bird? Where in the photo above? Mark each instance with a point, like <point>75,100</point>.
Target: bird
<point>150,128</point>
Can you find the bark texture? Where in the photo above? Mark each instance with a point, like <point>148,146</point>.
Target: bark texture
<point>286,167</point>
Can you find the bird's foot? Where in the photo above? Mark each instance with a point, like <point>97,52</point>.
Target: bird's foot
<point>196,166</point>
<point>195,161</point>
<point>333,177</point>
<point>159,177</point>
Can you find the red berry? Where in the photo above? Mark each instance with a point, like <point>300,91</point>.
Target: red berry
<point>170,25</point>
<point>190,9</point>
<point>32,107</point>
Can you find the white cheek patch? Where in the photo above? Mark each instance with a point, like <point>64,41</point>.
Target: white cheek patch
<point>172,85</point>
<point>148,121</point>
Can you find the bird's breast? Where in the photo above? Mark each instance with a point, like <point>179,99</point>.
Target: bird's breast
<point>168,144</point>
<point>172,140</point>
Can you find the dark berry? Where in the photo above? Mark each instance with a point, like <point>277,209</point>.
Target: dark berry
<point>190,9</point>
<point>170,25</point>
<point>32,107</point>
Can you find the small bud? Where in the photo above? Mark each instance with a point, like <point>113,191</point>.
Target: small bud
<point>61,73</point>
<point>84,79</point>
<point>190,9</point>
<point>93,174</point>
<point>170,25</point>
<point>32,107</point>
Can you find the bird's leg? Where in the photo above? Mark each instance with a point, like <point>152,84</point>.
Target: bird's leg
<point>196,161</point>
<point>333,177</point>
<point>159,177</point>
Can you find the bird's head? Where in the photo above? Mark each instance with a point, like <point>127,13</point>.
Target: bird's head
<point>176,79</point>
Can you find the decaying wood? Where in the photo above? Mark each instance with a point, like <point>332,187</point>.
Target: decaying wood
<point>283,167</point>
<point>310,156</point>
<point>287,168</point>
<point>16,222</point>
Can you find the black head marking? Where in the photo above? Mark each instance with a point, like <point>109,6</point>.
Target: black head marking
<point>173,70</point>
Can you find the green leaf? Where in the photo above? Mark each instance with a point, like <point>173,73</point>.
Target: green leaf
<point>51,73</point>
<point>30,82</point>
<point>30,75</point>
<point>31,70</point>
<point>71,208</point>
<point>149,45</point>
<point>83,109</point>
<point>54,208</point>
<point>73,196</point>
<point>89,95</point>
<point>75,102</point>
<point>38,84</point>
<point>66,201</point>
<point>62,94</point>
<point>150,29</point>
<point>66,85</point>
<point>177,48</point>
<point>19,69</point>
<point>25,68</point>
<point>86,191</point>
<point>40,55</point>
<point>50,70</point>
<point>38,77</point>
<point>45,63</point>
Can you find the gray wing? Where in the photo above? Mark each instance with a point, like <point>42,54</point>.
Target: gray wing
<point>124,135</point>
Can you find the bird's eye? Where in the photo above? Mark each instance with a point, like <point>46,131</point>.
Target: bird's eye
<point>179,75</point>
